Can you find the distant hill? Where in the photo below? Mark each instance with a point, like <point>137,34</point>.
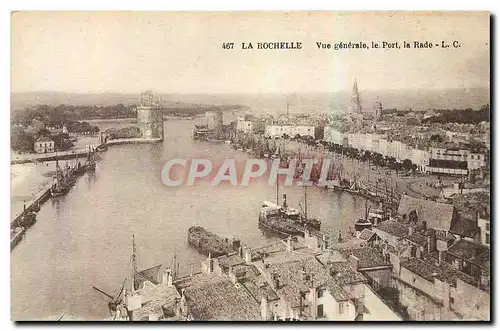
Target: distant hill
<point>29,99</point>
<point>276,103</point>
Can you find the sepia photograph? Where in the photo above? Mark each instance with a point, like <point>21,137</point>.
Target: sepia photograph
<point>276,166</point>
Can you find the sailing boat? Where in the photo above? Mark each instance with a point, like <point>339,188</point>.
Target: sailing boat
<point>310,223</point>
<point>70,175</point>
<point>117,302</point>
<point>91,160</point>
<point>60,187</point>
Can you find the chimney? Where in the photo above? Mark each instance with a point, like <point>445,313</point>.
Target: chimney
<point>240,251</point>
<point>446,295</point>
<point>313,298</point>
<point>167,277</point>
<point>174,265</point>
<point>264,308</point>
<point>431,242</point>
<point>232,275</point>
<point>440,257</point>
<point>353,262</point>
<point>210,264</point>
<point>289,247</point>
<point>248,255</point>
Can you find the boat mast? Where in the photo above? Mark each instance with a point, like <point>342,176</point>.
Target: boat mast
<point>305,201</point>
<point>277,191</point>
<point>134,264</point>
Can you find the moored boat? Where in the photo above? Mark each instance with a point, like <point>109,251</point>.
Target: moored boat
<point>363,223</point>
<point>60,186</point>
<point>27,219</point>
<point>206,242</point>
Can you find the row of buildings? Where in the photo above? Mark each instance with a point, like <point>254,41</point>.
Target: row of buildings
<point>286,280</point>
<point>438,160</point>
<point>249,124</point>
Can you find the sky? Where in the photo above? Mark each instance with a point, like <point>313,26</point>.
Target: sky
<point>181,52</point>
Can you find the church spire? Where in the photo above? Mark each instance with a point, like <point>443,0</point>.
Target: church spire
<point>355,99</point>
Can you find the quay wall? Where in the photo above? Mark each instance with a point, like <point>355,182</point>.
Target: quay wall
<point>42,197</point>
<point>45,158</point>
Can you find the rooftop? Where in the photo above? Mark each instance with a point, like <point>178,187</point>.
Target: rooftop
<point>344,274</point>
<point>157,300</point>
<point>366,234</point>
<point>230,260</point>
<point>470,251</point>
<point>418,239</point>
<point>393,227</point>
<point>152,274</point>
<point>44,139</point>
<point>216,298</point>
<point>300,275</point>
<point>437,215</point>
<point>429,269</point>
<point>368,257</point>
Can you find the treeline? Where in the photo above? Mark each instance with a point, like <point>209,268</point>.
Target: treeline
<point>22,141</point>
<point>202,109</point>
<point>56,116</point>
<point>463,116</point>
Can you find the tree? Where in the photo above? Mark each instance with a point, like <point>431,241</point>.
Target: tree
<point>43,133</point>
<point>21,141</point>
<point>407,164</point>
<point>436,138</point>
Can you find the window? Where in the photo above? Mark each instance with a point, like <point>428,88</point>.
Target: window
<point>320,311</point>
<point>320,293</point>
<point>341,308</point>
<point>488,226</point>
<point>488,238</point>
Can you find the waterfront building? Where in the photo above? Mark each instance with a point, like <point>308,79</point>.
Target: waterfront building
<point>277,131</point>
<point>451,161</point>
<point>477,161</point>
<point>249,124</point>
<point>44,145</point>
<point>150,116</point>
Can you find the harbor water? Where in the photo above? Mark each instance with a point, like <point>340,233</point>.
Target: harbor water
<point>84,238</point>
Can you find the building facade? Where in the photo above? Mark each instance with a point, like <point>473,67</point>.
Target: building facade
<point>44,145</point>
<point>277,131</point>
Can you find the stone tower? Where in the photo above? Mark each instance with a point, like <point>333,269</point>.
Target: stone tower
<point>150,116</point>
